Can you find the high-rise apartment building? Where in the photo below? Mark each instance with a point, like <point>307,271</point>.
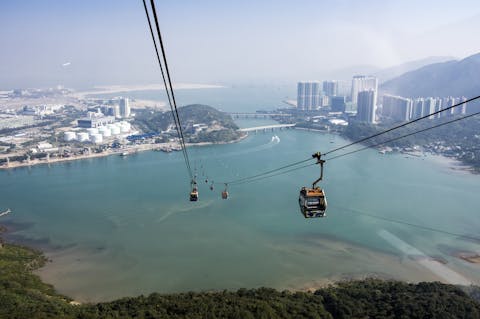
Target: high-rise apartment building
<point>462,108</point>
<point>417,108</point>
<point>363,83</point>
<point>337,103</point>
<point>397,108</point>
<point>366,106</point>
<point>429,107</point>
<point>124,107</point>
<point>330,88</point>
<point>308,95</point>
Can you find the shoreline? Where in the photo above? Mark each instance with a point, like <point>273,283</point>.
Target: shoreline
<point>110,89</point>
<point>409,270</point>
<point>130,150</point>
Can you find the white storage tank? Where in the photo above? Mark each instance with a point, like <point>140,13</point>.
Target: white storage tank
<point>96,138</point>
<point>115,130</point>
<point>105,131</point>
<point>125,127</point>
<point>69,136</point>
<point>92,130</point>
<point>82,137</point>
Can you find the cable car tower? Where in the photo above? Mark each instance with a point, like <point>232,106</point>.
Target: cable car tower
<point>312,201</point>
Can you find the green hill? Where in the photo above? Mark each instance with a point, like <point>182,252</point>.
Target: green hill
<point>220,125</point>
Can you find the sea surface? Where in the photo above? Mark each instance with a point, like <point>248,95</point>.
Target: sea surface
<point>123,226</point>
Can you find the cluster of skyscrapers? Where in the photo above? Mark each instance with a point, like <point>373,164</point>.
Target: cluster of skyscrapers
<point>310,96</point>
<point>314,95</point>
<point>398,108</point>
<point>364,97</point>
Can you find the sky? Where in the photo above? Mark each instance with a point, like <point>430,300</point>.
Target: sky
<point>85,43</point>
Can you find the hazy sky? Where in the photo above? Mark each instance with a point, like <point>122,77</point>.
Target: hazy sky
<point>107,41</point>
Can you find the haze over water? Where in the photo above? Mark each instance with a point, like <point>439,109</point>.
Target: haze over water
<point>118,226</point>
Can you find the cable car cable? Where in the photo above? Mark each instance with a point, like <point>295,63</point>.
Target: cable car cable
<point>168,89</point>
<point>356,142</point>
<point>165,83</point>
<point>267,172</point>
<point>403,136</point>
<point>432,229</point>
<point>401,125</point>
<point>261,176</point>
<point>273,175</point>
<point>164,55</point>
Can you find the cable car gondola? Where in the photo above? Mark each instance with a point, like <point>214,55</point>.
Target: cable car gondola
<point>312,201</point>
<point>225,193</point>
<point>194,192</point>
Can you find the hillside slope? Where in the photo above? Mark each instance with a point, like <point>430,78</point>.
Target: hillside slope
<point>451,78</point>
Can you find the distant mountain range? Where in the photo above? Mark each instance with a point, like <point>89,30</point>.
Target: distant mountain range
<point>451,78</point>
<point>386,73</point>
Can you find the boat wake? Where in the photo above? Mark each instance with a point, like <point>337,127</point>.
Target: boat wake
<point>275,139</point>
<point>6,212</point>
<point>184,209</point>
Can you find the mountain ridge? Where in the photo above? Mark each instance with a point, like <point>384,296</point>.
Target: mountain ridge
<point>450,78</point>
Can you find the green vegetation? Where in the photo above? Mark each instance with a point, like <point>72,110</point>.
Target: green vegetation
<point>221,127</point>
<point>23,295</point>
<point>459,140</point>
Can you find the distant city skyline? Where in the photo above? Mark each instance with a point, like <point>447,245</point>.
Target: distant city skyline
<point>86,43</point>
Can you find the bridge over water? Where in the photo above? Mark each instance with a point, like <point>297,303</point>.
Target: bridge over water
<point>266,127</point>
<point>256,115</point>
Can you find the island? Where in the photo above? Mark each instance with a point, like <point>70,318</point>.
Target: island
<point>200,124</point>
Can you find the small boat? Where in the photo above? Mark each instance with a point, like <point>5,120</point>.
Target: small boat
<point>126,153</point>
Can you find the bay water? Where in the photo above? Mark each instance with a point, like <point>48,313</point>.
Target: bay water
<point>122,226</point>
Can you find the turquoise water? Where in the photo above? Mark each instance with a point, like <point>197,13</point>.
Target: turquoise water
<point>123,226</point>
<point>118,226</point>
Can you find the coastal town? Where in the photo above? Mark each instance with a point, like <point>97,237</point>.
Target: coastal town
<point>41,126</point>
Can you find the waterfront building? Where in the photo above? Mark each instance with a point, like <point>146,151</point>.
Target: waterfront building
<point>363,83</point>
<point>330,88</point>
<point>338,103</point>
<point>308,95</point>
<point>397,108</point>
<point>366,106</point>
<point>124,106</point>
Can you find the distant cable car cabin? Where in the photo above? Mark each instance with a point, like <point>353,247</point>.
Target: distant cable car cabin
<point>194,192</point>
<point>225,193</point>
<point>312,201</point>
